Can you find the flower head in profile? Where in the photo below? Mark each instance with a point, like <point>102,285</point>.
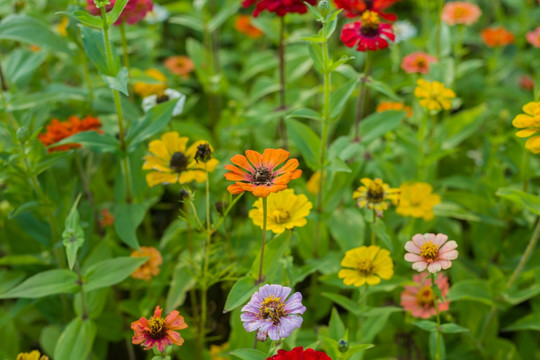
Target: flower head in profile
<point>529,123</point>
<point>533,37</point>
<point>417,200</point>
<point>403,30</point>
<point>394,106</point>
<point>419,298</point>
<point>374,194</point>
<point>298,353</point>
<point>285,211</point>
<point>167,95</point>
<point>272,314</point>
<point>279,7</point>
<point>460,13</point>
<point>33,355</point>
<point>173,162</point>
<point>367,34</point>
<point>355,8</point>
<point>431,251</point>
<point>417,63</point>
<point>150,268</point>
<point>57,131</point>
<point>158,331</point>
<point>134,11</point>
<point>261,174</point>
<point>144,89</point>
<point>366,264</point>
<point>497,36</point>
<point>433,96</point>
<point>243,24</point>
<point>179,65</point>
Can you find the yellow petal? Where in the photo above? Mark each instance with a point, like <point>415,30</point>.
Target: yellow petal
<point>526,133</point>
<point>533,144</point>
<point>156,178</point>
<point>530,107</point>
<point>522,121</point>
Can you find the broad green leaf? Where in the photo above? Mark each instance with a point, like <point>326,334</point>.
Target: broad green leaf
<point>426,325</point>
<point>336,326</point>
<point>226,11</point>
<point>76,340</point>
<point>73,234</point>
<point>188,21</point>
<point>118,82</point>
<point>453,328</point>
<point>94,46</point>
<point>182,281</point>
<point>344,302</point>
<point>92,140</point>
<point>240,292</point>
<point>273,250</point>
<point>306,140</point>
<point>376,125</point>
<point>521,198</point>
<point>316,56</point>
<point>382,88</point>
<point>339,98</point>
<point>24,101</point>
<point>84,18</point>
<point>20,65</point>
<point>305,113</point>
<point>249,354</point>
<point>528,322</point>
<point>9,278</point>
<point>116,11</point>
<point>127,218</point>
<point>462,125</point>
<point>347,227</point>
<point>433,346</point>
<point>50,282</point>
<point>110,272</point>
<point>196,52</point>
<point>473,290</point>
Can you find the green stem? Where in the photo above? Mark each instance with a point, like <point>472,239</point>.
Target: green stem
<point>84,309</point>
<point>125,54</point>
<point>362,96</point>
<point>265,213</point>
<point>86,75</point>
<point>438,33</point>
<point>282,83</point>
<point>526,255</point>
<point>204,290</point>
<point>438,353</point>
<point>229,208</point>
<point>363,304</point>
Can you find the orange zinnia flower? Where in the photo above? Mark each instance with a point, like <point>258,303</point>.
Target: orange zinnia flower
<point>394,106</point>
<point>151,267</point>
<point>497,36</point>
<point>158,331</point>
<point>57,131</point>
<point>258,173</point>
<point>243,24</point>
<point>179,65</point>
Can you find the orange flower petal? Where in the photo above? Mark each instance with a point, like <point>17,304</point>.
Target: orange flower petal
<point>254,157</point>
<point>241,161</point>
<point>274,157</point>
<point>235,189</point>
<point>261,191</point>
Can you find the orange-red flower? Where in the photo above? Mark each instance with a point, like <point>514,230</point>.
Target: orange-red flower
<point>158,331</point>
<point>261,174</point>
<point>394,106</point>
<point>151,267</point>
<point>417,62</point>
<point>179,65</point>
<point>57,131</point>
<point>497,36</point>
<point>243,24</point>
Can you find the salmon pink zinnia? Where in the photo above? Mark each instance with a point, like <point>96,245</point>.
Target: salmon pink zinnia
<point>368,33</point>
<point>431,251</point>
<point>460,13</point>
<point>158,331</point>
<point>417,62</point>
<point>419,298</point>
<point>533,37</point>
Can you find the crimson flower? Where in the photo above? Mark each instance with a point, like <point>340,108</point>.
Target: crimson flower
<point>355,8</point>
<point>367,33</point>
<point>299,353</point>
<point>280,7</point>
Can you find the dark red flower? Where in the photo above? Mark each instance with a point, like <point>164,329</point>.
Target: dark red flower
<point>134,11</point>
<point>280,7</point>
<point>299,353</point>
<point>355,8</point>
<point>366,33</point>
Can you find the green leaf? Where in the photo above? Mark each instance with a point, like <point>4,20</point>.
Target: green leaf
<point>153,121</point>
<point>118,82</point>
<point>433,346</point>
<point>343,301</point>
<point>383,88</point>
<point>127,218</point>
<point>306,140</point>
<point>379,228</point>
<point>453,328</point>
<point>182,282</point>
<point>521,198</point>
<point>73,234</point>
<point>50,282</point>
<point>315,12</point>
<point>426,325</point>
<point>111,271</point>
<point>84,18</point>
<point>230,8</point>
<point>76,340</point>
<point>188,21</point>
<point>336,326</point>
<point>528,322</point>
<point>94,46</point>
<point>376,125</point>
<point>306,114</point>
<point>339,98</point>
<point>116,11</point>
<point>473,290</point>
<point>273,250</point>
<point>92,140</point>
<point>249,354</point>
<point>240,292</point>
<point>316,56</point>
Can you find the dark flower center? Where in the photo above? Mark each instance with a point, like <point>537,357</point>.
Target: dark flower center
<point>204,153</point>
<point>370,23</point>
<point>179,162</point>
<point>375,193</point>
<point>162,98</point>
<point>272,308</point>
<point>364,266</point>
<point>424,297</point>
<point>262,177</point>
<point>156,328</point>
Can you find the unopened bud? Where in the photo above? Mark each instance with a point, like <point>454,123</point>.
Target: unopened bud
<point>184,195</point>
<point>22,134</point>
<point>343,345</point>
<point>324,7</point>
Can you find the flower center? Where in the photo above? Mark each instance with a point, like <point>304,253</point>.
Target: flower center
<point>429,251</point>
<point>375,193</point>
<point>365,266</point>
<point>178,162</point>
<point>272,308</point>
<point>421,62</point>
<point>262,177</point>
<point>162,98</point>
<point>460,12</point>
<point>156,328</point>
<point>424,297</point>
<point>370,23</point>
<point>280,216</point>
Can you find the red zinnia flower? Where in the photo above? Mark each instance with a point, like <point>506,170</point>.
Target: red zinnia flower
<point>355,8</point>
<point>299,353</point>
<point>258,173</point>
<point>280,7</point>
<point>134,11</point>
<point>158,331</point>
<point>366,33</point>
<point>57,131</point>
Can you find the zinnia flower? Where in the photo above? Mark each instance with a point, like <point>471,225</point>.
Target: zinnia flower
<point>260,173</point>
<point>367,34</point>
<point>62,26</point>
<point>33,355</point>
<point>57,131</point>
<point>158,15</point>
<point>150,268</point>
<point>285,211</point>
<point>243,24</point>
<point>134,11</point>
<point>158,331</point>
<point>144,89</point>
<point>355,8</point>
<point>298,353</point>
<point>394,106</point>
<point>431,251</point>
<point>530,125</point>
<point>279,7</point>
<point>179,65</point>
<point>419,298</point>
<point>497,36</point>
<point>460,13</point>
<point>433,95</point>
<point>533,37</point>
<point>172,163</point>
<point>272,315</point>
<point>366,264</point>
<point>375,194</point>
<point>417,200</point>
<point>403,30</point>
<point>169,94</point>
<point>417,62</point>
<point>526,83</point>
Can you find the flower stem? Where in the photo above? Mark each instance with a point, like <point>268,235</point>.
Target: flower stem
<point>282,103</point>
<point>84,309</point>
<point>438,33</point>
<point>265,214</point>
<point>362,96</point>
<point>204,290</point>
<point>526,255</point>
<point>125,54</point>
<point>438,353</point>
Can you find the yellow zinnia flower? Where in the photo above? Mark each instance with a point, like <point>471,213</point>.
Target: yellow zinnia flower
<point>33,355</point>
<point>62,26</point>
<point>416,200</point>
<point>172,163</point>
<point>433,95</point>
<point>366,264</point>
<point>217,350</point>
<point>285,211</point>
<point>314,183</point>
<point>375,195</point>
<point>144,89</point>
<point>530,123</point>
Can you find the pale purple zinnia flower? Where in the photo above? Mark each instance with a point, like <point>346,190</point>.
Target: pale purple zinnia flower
<point>271,314</point>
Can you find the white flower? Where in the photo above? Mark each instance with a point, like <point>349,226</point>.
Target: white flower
<point>157,15</point>
<point>404,30</point>
<point>169,94</point>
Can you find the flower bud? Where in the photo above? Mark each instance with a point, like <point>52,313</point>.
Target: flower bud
<point>343,345</point>
<point>184,195</point>
<point>22,134</point>
<point>324,7</point>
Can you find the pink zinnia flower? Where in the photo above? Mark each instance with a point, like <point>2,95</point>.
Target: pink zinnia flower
<point>367,34</point>
<point>430,251</point>
<point>158,331</point>
<point>134,11</point>
<point>279,7</point>
<point>526,83</point>
<point>533,37</point>
<point>460,13</point>
<point>417,62</point>
<point>419,298</point>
